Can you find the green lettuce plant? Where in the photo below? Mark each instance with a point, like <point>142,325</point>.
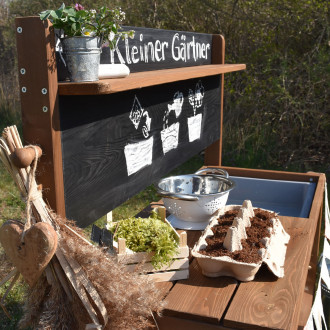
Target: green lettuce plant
<point>148,235</point>
<point>77,21</point>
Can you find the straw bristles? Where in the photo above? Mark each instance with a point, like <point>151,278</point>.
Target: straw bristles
<point>47,307</point>
<point>65,299</point>
<point>128,298</point>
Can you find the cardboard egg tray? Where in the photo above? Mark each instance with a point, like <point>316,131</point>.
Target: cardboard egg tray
<point>273,254</point>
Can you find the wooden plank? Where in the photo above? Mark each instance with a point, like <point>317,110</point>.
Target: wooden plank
<point>192,237</point>
<point>147,267</point>
<point>306,306</point>
<point>39,103</point>
<point>174,323</point>
<point>213,152</point>
<point>272,175</point>
<point>135,257</point>
<point>145,79</point>
<point>164,287</point>
<point>200,298</point>
<point>169,276</point>
<point>316,213</point>
<point>273,303</point>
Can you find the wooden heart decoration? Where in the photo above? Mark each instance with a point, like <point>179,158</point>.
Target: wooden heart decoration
<point>32,256</point>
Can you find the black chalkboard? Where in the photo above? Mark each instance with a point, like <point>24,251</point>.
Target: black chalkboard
<point>115,145</point>
<point>155,49</point>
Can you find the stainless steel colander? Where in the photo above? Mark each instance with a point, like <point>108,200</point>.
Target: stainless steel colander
<point>196,197</point>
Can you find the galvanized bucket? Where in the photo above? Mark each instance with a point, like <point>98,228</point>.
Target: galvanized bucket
<point>82,57</point>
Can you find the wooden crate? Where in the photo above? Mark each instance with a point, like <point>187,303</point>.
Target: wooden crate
<point>178,269</point>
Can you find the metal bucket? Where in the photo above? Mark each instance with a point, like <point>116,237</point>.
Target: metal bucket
<point>82,57</point>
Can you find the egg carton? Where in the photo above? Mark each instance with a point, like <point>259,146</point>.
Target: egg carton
<point>273,254</point>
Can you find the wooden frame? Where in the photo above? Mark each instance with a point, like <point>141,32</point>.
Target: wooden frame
<point>178,269</point>
<point>200,302</point>
<point>40,101</point>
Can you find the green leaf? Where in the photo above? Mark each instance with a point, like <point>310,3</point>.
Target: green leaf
<point>71,11</point>
<point>44,15</point>
<point>53,14</point>
<point>59,13</point>
<point>81,13</point>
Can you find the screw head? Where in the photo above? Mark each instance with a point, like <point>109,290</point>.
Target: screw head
<point>23,89</point>
<point>44,109</point>
<point>19,29</point>
<point>44,91</point>
<point>22,71</point>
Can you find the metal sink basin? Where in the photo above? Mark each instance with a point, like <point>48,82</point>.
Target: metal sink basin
<point>288,198</point>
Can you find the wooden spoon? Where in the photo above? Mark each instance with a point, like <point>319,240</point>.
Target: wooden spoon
<point>23,157</point>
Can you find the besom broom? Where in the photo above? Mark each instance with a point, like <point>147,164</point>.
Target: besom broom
<point>72,283</point>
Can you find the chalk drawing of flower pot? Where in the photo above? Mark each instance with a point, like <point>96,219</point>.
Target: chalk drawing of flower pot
<point>195,122</point>
<point>139,155</point>
<point>170,137</point>
<point>195,127</point>
<point>170,132</point>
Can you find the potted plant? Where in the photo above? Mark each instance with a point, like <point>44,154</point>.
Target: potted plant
<point>84,33</point>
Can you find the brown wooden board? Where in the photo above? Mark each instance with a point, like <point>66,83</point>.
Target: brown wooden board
<point>213,152</point>
<point>272,175</point>
<point>144,79</point>
<point>266,302</point>
<point>200,298</point>
<point>273,303</point>
<point>98,133</point>
<point>39,103</point>
<point>175,323</point>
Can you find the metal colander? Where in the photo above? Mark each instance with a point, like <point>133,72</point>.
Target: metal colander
<point>196,197</point>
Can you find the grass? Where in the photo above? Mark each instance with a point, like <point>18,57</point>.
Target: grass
<point>11,207</point>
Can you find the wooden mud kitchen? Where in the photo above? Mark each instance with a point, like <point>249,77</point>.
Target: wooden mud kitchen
<point>105,141</point>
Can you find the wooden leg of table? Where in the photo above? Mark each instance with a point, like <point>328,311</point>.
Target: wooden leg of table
<point>308,296</point>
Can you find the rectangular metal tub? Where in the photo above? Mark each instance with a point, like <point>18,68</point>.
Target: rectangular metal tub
<point>288,198</point>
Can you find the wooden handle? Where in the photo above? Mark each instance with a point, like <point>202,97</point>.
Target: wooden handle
<point>23,157</point>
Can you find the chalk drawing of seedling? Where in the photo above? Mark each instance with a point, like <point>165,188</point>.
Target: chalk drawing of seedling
<point>195,122</point>
<point>196,99</point>
<point>139,155</point>
<point>170,134</point>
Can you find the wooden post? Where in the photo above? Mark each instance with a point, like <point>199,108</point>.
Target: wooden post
<point>213,152</point>
<point>39,103</point>
<point>162,212</point>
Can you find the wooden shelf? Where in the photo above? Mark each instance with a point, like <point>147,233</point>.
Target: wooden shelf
<point>145,79</point>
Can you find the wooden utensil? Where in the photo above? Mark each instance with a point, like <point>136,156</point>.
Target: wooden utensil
<point>23,157</point>
<point>32,255</point>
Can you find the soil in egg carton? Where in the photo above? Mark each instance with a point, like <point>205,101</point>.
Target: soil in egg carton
<point>258,230</point>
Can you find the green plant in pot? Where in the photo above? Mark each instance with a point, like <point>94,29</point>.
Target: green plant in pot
<point>84,33</point>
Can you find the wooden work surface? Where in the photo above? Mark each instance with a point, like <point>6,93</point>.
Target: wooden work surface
<point>264,303</point>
